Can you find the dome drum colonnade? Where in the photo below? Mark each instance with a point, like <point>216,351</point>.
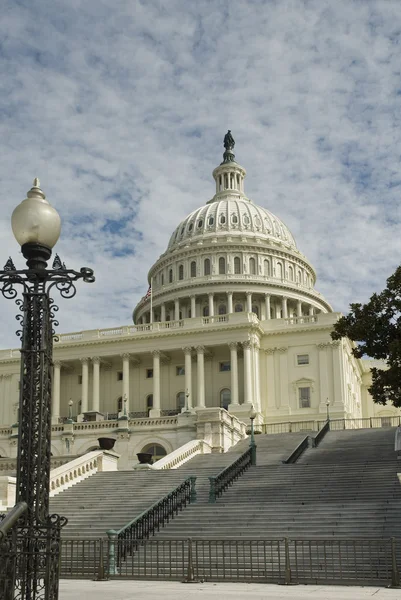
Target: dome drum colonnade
<point>221,250</point>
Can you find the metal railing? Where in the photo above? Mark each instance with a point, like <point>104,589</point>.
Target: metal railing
<point>335,424</point>
<point>297,452</point>
<point>227,476</point>
<point>125,540</point>
<point>330,561</point>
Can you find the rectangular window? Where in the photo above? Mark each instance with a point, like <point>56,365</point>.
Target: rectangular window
<point>180,370</point>
<point>79,379</point>
<point>304,397</point>
<point>149,373</point>
<point>225,366</point>
<point>119,375</point>
<point>302,359</point>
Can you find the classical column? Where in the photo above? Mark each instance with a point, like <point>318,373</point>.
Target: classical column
<point>229,302</point>
<point>211,304</point>
<point>193,306</point>
<point>96,383</point>
<point>155,411</point>
<point>176,309</point>
<point>163,313</point>
<point>323,376</point>
<point>126,358</point>
<point>234,372</point>
<point>56,391</point>
<point>283,367</point>
<point>85,382</point>
<point>338,375</point>
<point>271,379</point>
<point>299,308</point>
<point>247,346</point>
<point>249,302</point>
<point>311,311</point>
<point>285,307</point>
<point>200,357</point>
<point>188,376</point>
<point>257,376</point>
<point>267,306</point>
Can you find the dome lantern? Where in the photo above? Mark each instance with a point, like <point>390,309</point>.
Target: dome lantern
<point>229,175</point>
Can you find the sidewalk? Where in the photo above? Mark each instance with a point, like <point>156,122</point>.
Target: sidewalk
<point>169,590</point>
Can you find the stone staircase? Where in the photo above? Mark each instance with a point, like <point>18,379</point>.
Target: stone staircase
<point>345,488</point>
<point>110,500</point>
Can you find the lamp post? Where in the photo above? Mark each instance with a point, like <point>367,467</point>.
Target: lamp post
<point>35,545</point>
<point>328,409</point>
<point>252,444</point>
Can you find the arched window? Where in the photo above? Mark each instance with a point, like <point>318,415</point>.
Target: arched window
<point>181,272</point>
<point>211,221</point>
<point>170,276</point>
<point>193,269</point>
<point>222,265</point>
<point>149,403</point>
<point>252,266</point>
<point>298,276</point>
<point>238,307</point>
<point>222,309</point>
<point>234,219</point>
<point>225,398</point>
<point>156,450</point>
<point>162,278</point>
<point>180,400</point>
<point>237,265</point>
<point>119,404</point>
<point>279,270</point>
<point>222,219</point>
<point>255,309</point>
<point>206,266</point>
<point>205,311</point>
<point>266,268</point>
<point>290,273</point>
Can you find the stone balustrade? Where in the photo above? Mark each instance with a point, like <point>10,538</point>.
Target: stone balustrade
<point>64,476</point>
<point>180,456</point>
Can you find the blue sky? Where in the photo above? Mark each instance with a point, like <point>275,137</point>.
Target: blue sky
<point>120,109</point>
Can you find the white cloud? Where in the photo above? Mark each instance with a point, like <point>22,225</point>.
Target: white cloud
<point>121,110</point>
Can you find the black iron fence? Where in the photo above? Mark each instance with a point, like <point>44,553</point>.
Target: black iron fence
<point>227,476</point>
<point>125,540</point>
<point>285,561</point>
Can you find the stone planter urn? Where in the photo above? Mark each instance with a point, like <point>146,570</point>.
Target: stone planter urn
<point>144,458</point>
<point>106,443</point>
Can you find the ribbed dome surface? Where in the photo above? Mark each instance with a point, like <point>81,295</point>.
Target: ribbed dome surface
<point>233,217</point>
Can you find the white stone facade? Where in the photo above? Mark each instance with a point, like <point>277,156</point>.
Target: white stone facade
<point>233,321</point>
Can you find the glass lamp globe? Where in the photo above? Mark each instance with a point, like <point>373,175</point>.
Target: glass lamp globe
<point>35,221</point>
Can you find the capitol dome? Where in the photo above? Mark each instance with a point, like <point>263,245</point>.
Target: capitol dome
<point>230,255</point>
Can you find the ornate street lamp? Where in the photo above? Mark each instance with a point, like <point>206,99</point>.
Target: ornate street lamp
<point>29,557</point>
<point>252,444</point>
<point>328,409</point>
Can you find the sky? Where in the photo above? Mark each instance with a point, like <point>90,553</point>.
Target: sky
<point>120,108</point>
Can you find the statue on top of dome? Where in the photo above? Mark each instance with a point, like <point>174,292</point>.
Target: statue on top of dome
<point>229,141</point>
<point>229,144</point>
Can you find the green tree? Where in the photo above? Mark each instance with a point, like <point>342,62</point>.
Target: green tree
<point>376,329</point>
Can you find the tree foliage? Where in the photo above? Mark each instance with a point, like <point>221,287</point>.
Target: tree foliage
<point>376,328</point>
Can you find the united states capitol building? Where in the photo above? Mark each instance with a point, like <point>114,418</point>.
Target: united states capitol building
<point>233,322</point>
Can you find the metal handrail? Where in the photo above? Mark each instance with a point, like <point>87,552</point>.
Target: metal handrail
<point>154,517</point>
<point>228,475</point>
<point>320,435</point>
<point>9,521</point>
<point>296,453</point>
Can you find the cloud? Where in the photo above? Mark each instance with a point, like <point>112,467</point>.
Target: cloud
<point>121,110</point>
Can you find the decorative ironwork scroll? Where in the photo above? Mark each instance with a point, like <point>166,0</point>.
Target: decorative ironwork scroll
<point>29,556</point>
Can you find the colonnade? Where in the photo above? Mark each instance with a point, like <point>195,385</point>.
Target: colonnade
<point>271,306</point>
<point>251,378</point>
